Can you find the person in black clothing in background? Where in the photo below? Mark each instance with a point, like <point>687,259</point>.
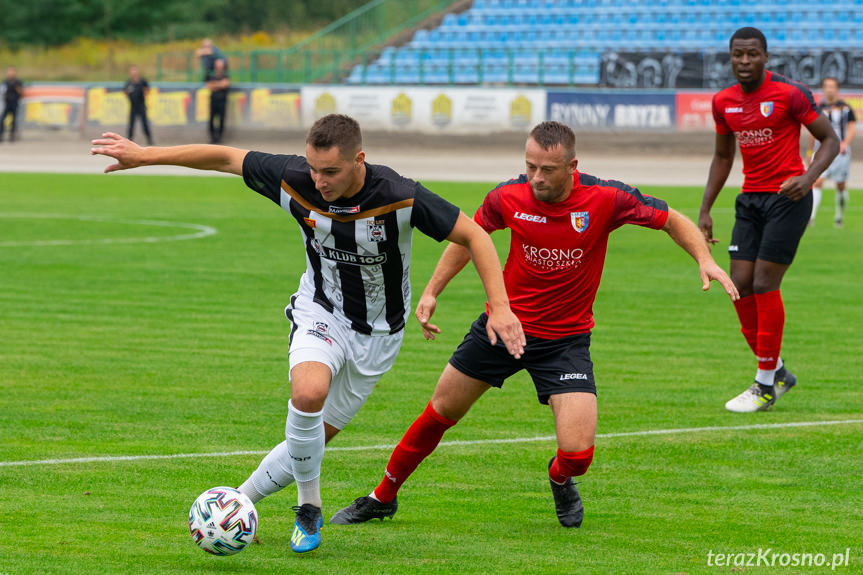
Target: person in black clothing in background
<point>218,83</point>
<point>12,92</point>
<point>136,90</point>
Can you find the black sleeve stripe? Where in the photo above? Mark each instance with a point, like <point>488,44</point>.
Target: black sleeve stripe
<point>802,87</point>
<point>649,201</point>
<point>522,179</point>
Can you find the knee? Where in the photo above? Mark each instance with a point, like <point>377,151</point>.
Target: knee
<point>307,400</point>
<point>448,408</point>
<point>764,284</point>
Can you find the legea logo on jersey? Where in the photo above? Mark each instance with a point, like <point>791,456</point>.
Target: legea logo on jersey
<point>579,220</point>
<point>344,209</point>
<point>530,217</point>
<point>766,108</point>
<point>734,110</point>
<point>346,257</point>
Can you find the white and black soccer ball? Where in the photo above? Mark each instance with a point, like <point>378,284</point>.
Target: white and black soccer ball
<point>223,521</point>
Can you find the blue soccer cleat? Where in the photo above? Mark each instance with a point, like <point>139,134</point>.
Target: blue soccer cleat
<point>307,528</point>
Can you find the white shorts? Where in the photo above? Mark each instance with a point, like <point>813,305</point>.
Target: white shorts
<point>839,168</point>
<point>357,361</point>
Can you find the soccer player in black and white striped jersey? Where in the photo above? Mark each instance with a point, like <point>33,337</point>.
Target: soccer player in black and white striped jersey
<point>349,312</point>
<point>844,123</point>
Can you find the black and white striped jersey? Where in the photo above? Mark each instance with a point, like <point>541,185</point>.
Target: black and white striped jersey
<point>358,249</point>
<point>840,114</point>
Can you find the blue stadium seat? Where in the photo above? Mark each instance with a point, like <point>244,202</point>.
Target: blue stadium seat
<point>513,32</point>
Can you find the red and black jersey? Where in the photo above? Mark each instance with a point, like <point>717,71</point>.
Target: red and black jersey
<point>557,250</point>
<point>766,124</point>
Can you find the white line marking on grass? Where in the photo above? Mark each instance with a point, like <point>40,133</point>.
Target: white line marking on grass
<point>201,231</point>
<point>646,432</point>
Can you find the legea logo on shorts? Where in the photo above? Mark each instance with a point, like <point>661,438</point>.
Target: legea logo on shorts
<point>567,376</point>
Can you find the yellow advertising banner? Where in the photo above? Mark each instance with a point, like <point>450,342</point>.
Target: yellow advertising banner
<point>275,110</point>
<point>168,108</point>
<point>48,113</point>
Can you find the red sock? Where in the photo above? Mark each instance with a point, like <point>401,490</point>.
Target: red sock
<point>747,313</point>
<point>418,442</point>
<point>570,464</point>
<point>771,321</point>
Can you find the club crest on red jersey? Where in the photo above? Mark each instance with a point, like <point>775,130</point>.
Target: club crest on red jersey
<point>579,220</point>
<point>766,108</point>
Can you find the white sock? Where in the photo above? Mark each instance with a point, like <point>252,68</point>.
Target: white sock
<point>305,440</point>
<point>841,202</point>
<point>272,475</point>
<point>765,376</point>
<point>816,201</point>
<point>309,492</point>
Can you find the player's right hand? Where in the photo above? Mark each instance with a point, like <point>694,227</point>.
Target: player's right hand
<point>127,153</point>
<point>505,324</point>
<point>705,224</point>
<point>425,309</point>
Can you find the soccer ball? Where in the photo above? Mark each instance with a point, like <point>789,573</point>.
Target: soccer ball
<point>223,521</point>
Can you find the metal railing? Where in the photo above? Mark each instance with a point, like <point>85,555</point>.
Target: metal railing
<point>327,55</point>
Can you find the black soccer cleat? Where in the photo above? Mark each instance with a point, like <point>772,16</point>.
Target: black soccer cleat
<point>364,509</point>
<point>783,381</point>
<point>567,501</point>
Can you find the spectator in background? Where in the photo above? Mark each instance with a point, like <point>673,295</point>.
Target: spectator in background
<point>218,83</point>
<point>209,54</point>
<point>137,89</point>
<point>13,89</point>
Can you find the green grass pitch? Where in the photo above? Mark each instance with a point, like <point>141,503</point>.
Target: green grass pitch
<point>141,348</point>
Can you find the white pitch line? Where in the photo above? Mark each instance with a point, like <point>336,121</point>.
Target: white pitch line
<point>201,231</point>
<point>457,443</point>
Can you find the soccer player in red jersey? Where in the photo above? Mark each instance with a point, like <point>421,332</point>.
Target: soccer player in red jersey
<point>560,221</point>
<point>764,112</point>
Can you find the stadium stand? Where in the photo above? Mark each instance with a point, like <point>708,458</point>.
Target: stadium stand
<point>562,41</point>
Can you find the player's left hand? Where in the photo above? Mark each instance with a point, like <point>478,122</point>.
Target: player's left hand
<point>505,324</point>
<point>796,188</point>
<point>127,153</point>
<point>425,309</point>
<point>710,272</point>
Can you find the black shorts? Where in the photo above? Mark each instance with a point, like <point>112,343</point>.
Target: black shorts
<point>555,365</point>
<point>768,227</point>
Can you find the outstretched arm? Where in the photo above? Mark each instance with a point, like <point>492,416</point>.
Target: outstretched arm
<point>720,167</point>
<point>687,236</point>
<point>470,241</point>
<point>198,156</point>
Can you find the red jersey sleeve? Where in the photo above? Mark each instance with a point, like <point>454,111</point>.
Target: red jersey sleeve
<point>719,116</point>
<point>490,214</point>
<point>633,207</point>
<point>801,104</point>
